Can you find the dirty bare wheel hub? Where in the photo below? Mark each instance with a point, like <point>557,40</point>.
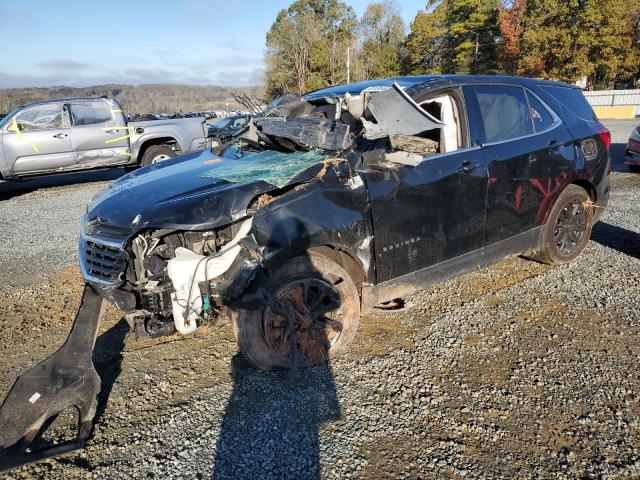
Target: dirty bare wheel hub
<point>159,158</point>
<point>570,227</point>
<point>308,322</point>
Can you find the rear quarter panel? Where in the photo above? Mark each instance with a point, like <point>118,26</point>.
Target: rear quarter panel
<point>597,171</point>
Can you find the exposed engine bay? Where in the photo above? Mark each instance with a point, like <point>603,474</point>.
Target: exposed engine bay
<point>178,279</point>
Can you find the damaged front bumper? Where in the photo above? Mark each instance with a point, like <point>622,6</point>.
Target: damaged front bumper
<point>67,379</point>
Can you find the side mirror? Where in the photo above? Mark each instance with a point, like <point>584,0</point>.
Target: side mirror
<point>21,126</point>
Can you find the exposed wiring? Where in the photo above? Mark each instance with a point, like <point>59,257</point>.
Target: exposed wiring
<point>188,303</point>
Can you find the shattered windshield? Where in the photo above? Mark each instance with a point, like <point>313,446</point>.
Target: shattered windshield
<point>276,168</point>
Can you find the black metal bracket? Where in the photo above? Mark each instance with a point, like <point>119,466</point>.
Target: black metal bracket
<point>67,379</point>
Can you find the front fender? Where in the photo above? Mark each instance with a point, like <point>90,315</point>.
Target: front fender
<point>328,210</point>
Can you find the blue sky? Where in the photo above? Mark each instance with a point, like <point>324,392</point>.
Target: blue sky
<point>80,43</point>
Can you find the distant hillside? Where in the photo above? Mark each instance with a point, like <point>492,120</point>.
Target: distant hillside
<point>139,99</point>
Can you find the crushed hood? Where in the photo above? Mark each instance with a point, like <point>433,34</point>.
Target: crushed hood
<point>197,191</point>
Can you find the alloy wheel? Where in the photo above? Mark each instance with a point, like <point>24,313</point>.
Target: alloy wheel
<point>570,227</point>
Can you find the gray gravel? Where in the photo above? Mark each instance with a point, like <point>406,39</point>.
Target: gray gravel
<point>40,222</point>
<point>519,370</point>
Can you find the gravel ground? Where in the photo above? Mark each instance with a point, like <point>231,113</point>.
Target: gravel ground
<point>40,222</point>
<point>518,370</point>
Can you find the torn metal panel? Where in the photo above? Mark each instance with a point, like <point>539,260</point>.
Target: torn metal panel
<point>288,105</point>
<point>66,379</point>
<point>396,113</point>
<point>309,132</point>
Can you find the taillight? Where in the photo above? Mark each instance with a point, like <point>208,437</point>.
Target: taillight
<point>605,136</point>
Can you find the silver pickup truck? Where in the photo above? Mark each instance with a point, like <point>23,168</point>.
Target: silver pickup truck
<point>77,134</point>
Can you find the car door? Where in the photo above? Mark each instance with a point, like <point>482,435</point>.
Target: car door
<point>37,139</point>
<point>99,133</point>
<point>431,212</point>
<point>525,146</point>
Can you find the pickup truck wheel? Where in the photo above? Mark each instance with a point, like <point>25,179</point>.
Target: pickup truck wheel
<point>568,228</point>
<point>313,314</point>
<point>157,153</point>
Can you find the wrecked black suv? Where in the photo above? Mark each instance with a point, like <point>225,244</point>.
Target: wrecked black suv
<point>344,199</point>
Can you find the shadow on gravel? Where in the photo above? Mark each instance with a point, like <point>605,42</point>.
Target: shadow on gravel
<point>11,188</point>
<point>107,359</point>
<point>620,239</point>
<point>271,422</point>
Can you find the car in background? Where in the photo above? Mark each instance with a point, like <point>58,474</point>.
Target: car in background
<point>224,129</point>
<point>56,136</point>
<point>632,153</point>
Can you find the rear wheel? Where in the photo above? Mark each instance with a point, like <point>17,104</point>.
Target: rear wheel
<point>313,314</point>
<point>568,228</point>
<point>157,153</point>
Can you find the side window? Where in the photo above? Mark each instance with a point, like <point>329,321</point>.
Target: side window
<point>505,112</point>
<point>542,119</point>
<point>90,113</point>
<point>42,117</point>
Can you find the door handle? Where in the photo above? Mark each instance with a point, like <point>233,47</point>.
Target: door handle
<point>60,136</point>
<point>468,167</point>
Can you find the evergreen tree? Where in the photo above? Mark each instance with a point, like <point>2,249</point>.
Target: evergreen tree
<point>455,36</point>
<point>425,42</point>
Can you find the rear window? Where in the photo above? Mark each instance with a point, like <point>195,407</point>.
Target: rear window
<point>573,99</point>
<point>542,119</point>
<point>90,113</point>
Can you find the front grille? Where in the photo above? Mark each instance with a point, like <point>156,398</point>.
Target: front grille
<point>102,258</point>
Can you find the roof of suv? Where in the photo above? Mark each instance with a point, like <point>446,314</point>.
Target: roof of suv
<point>57,100</point>
<point>408,82</point>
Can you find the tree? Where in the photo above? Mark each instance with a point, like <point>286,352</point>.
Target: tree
<point>568,40</point>
<point>552,45</point>
<point>470,41</point>
<point>614,49</point>
<point>425,42</point>
<point>510,20</point>
<point>307,44</point>
<point>383,32</point>
<point>455,36</point>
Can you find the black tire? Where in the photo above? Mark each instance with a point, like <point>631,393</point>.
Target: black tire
<point>155,153</point>
<point>634,168</point>
<point>315,336</point>
<point>568,228</point>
